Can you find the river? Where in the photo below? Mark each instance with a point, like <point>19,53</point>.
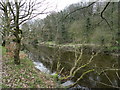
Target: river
<point>46,60</point>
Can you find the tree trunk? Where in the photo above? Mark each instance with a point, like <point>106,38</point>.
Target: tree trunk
<point>17,52</point>
<point>3,43</point>
<point>16,34</point>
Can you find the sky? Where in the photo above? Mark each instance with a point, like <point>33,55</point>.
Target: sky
<point>61,4</point>
<point>57,5</point>
<point>53,5</point>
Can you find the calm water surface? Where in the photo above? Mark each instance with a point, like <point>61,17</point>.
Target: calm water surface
<point>46,59</point>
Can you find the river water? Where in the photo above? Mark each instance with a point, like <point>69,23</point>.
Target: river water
<point>46,60</point>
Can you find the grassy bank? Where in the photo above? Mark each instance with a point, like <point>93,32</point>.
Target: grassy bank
<point>23,75</point>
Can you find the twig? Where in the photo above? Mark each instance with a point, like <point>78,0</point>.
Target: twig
<point>106,84</point>
<point>82,77</point>
<point>86,63</point>
<point>114,69</point>
<point>118,75</point>
<point>108,78</point>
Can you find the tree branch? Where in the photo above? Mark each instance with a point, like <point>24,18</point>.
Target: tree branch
<point>9,5</point>
<point>101,14</point>
<point>81,8</point>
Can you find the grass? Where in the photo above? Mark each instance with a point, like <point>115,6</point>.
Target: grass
<point>23,75</point>
<point>114,48</point>
<point>3,50</point>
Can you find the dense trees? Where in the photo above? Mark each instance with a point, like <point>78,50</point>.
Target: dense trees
<point>88,22</point>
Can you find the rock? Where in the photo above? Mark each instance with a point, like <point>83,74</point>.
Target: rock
<point>67,83</point>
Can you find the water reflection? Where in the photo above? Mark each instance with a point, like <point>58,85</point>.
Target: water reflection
<point>46,59</point>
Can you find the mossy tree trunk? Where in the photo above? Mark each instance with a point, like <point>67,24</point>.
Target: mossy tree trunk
<point>17,35</point>
<point>17,51</point>
<point>20,11</point>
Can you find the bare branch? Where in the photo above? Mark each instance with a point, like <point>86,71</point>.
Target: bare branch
<point>118,75</point>
<point>9,5</point>
<point>106,84</point>
<point>108,77</point>
<point>83,74</point>
<point>103,16</point>
<point>81,8</point>
<point>111,69</point>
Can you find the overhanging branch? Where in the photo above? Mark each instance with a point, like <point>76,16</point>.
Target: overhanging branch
<point>101,14</point>
<point>80,8</point>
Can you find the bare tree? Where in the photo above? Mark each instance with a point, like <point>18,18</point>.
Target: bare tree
<point>5,21</point>
<point>21,11</point>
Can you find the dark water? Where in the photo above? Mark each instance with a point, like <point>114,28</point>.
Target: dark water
<point>47,58</point>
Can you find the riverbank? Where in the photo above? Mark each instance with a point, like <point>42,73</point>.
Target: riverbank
<point>51,44</point>
<point>105,49</point>
<point>60,60</point>
<point>24,75</point>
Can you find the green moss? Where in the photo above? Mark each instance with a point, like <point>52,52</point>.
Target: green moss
<point>55,76</point>
<point>3,50</point>
<point>114,48</point>
<point>4,86</point>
